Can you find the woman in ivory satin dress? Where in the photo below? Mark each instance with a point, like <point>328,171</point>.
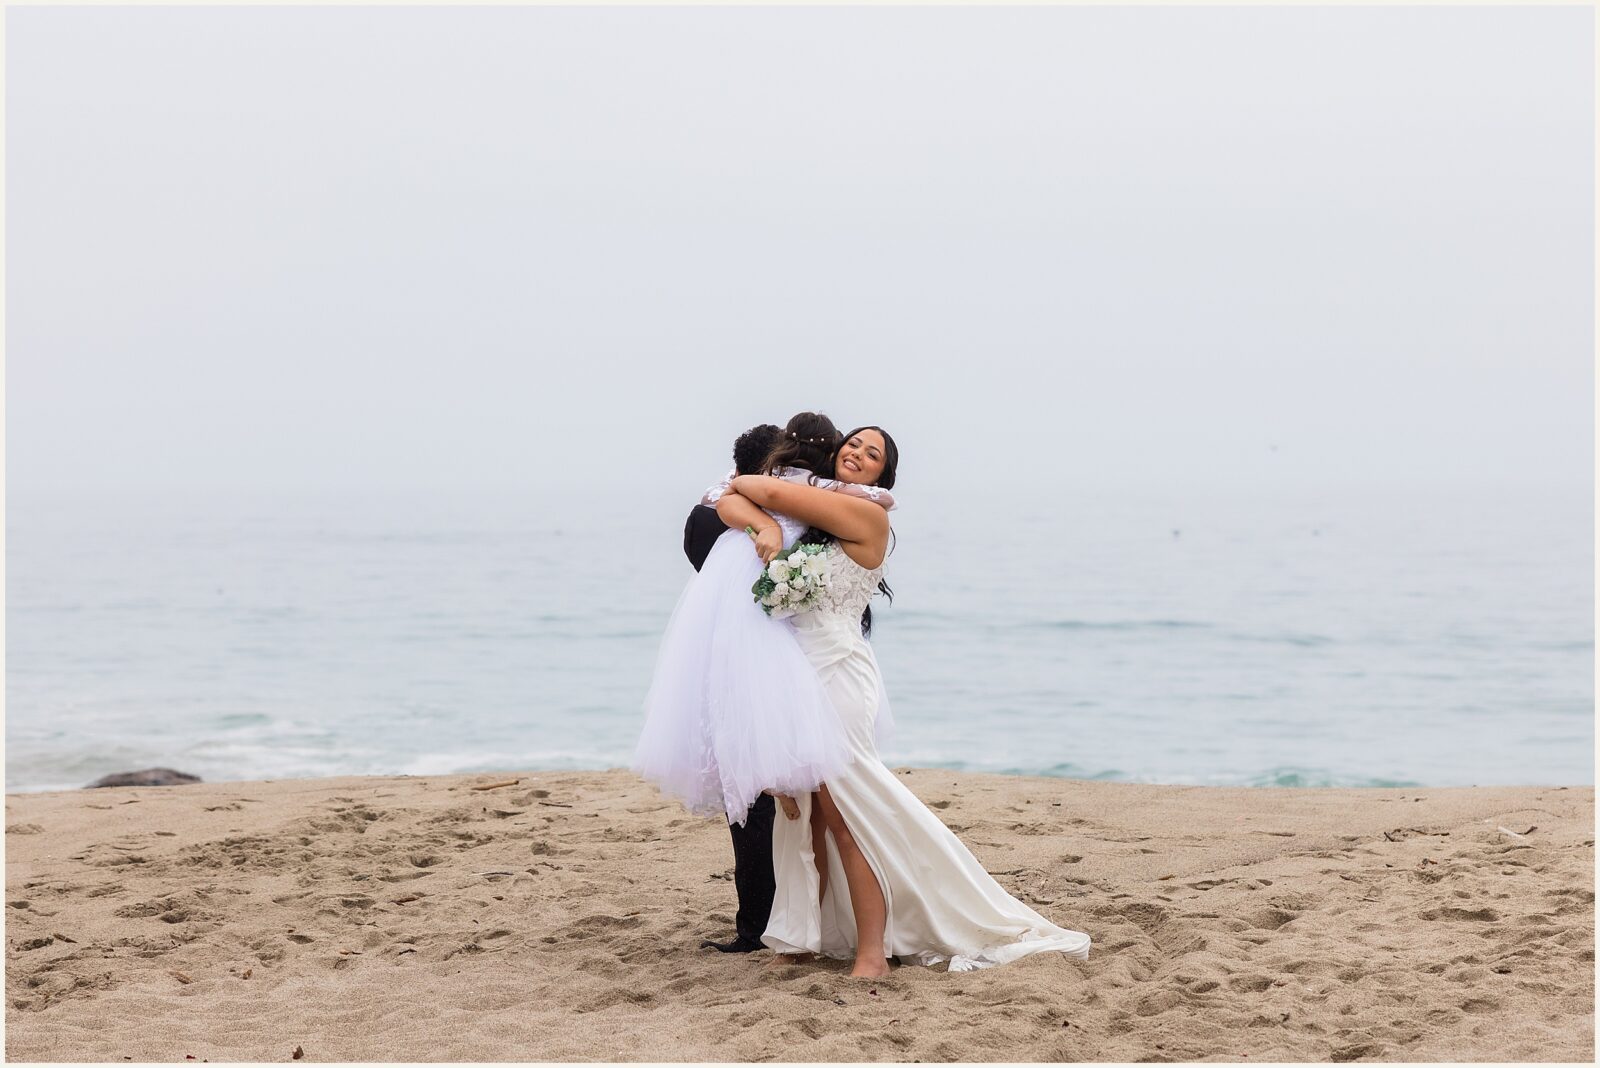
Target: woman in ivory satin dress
<point>894,881</point>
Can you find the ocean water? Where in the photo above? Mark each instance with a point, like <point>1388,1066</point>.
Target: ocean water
<point>1341,638</point>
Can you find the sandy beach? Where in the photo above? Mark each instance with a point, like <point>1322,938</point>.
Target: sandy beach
<point>557,918</point>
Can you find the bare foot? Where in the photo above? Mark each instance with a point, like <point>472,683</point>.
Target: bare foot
<point>780,959</point>
<point>875,968</point>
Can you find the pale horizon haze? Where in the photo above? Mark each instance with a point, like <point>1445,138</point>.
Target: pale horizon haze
<point>517,251</point>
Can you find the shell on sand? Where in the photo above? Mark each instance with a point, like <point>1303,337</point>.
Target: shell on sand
<point>373,919</point>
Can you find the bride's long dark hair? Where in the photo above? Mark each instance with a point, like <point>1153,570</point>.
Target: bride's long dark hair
<point>891,462</point>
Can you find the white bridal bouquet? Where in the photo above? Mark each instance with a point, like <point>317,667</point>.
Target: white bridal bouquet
<point>792,581</point>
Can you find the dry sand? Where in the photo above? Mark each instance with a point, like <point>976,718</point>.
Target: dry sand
<point>558,919</point>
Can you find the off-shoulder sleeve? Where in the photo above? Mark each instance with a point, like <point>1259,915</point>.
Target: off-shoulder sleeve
<point>876,494</point>
<point>714,493</point>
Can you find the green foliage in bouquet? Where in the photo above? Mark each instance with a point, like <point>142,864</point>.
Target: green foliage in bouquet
<point>767,584</point>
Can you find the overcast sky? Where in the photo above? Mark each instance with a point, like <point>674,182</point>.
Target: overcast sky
<point>501,249</point>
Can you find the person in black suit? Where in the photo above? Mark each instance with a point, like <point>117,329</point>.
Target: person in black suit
<point>752,844</point>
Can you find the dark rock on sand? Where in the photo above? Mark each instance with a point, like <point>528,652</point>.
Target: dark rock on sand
<point>147,777</point>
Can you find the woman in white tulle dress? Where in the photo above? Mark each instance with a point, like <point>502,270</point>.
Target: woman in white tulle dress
<point>895,882</point>
<point>735,708</point>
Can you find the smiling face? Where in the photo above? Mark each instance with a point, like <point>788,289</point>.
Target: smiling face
<point>860,459</point>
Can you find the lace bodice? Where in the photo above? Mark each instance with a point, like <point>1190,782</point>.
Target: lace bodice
<point>850,586</point>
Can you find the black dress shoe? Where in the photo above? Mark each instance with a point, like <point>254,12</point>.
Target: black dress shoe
<point>738,945</point>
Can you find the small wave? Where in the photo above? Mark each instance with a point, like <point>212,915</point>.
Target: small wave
<point>1284,777</point>
<point>467,763</point>
<point>46,788</point>
<point>1054,771</point>
<point>47,609</point>
<point>244,719</point>
<point>1307,777</point>
<point>1302,640</point>
<point>1121,624</point>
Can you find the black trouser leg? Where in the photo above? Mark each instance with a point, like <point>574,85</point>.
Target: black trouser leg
<point>752,869</point>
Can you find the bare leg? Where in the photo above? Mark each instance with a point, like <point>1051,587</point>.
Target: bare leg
<point>866,896</point>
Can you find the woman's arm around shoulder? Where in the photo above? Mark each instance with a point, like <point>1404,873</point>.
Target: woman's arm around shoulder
<point>850,519</point>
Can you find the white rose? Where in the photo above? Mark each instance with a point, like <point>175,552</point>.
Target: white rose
<point>780,591</point>
<point>778,570</point>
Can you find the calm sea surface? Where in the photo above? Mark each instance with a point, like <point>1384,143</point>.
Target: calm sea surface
<point>1348,639</point>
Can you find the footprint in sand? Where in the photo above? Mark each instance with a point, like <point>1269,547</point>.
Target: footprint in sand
<point>617,997</point>
<point>1477,915</point>
<point>1356,1053</point>
<point>166,909</point>
<point>1270,919</point>
<point>1159,1002</point>
<point>1209,884</point>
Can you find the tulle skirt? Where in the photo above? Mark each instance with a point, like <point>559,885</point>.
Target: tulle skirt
<point>735,706</point>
